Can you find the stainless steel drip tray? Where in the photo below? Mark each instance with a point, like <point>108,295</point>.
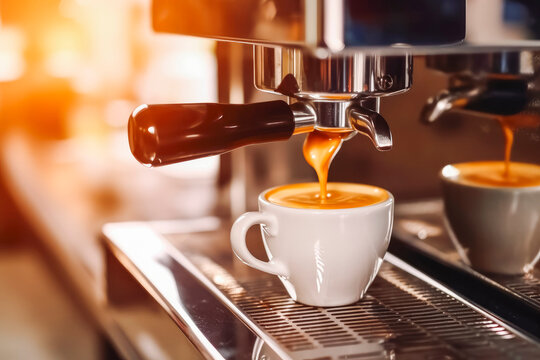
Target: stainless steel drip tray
<point>404,314</point>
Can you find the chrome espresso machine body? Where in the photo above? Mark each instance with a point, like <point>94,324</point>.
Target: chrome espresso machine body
<point>293,66</point>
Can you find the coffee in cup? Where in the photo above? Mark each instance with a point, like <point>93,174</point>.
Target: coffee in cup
<point>324,254</point>
<point>494,214</point>
<point>337,196</point>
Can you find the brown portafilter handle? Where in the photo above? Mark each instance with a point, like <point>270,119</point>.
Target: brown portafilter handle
<point>170,133</point>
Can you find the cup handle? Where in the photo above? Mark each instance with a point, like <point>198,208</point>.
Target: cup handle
<point>527,268</point>
<point>239,246</point>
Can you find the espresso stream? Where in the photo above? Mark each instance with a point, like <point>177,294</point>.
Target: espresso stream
<point>320,147</point>
<point>509,125</point>
<point>504,173</point>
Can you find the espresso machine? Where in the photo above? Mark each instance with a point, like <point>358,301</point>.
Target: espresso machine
<point>286,68</point>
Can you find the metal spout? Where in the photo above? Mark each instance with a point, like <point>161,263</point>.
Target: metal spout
<point>447,100</point>
<point>371,124</point>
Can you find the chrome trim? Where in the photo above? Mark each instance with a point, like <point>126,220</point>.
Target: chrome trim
<point>338,77</point>
<point>304,117</point>
<point>156,287</point>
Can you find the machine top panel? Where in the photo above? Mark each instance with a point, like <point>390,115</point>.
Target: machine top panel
<point>384,26</point>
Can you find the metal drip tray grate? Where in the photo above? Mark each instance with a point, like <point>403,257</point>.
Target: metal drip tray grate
<point>527,286</point>
<point>232,311</point>
<point>400,316</point>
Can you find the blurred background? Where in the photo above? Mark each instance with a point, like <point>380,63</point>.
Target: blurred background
<point>71,72</point>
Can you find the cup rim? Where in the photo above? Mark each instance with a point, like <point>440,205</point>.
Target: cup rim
<point>389,200</point>
<point>453,180</point>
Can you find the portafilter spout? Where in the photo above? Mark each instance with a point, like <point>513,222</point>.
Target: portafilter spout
<point>360,115</point>
<point>371,124</point>
<point>447,100</point>
<point>492,85</point>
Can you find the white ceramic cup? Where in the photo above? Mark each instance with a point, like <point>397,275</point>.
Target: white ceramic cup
<point>322,257</point>
<point>495,229</point>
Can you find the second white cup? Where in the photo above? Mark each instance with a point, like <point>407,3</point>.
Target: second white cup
<point>495,229</point>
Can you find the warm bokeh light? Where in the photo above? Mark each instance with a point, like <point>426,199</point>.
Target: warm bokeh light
<point>71,72</point>
<point>12,62</point>
<point>75,69</point>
